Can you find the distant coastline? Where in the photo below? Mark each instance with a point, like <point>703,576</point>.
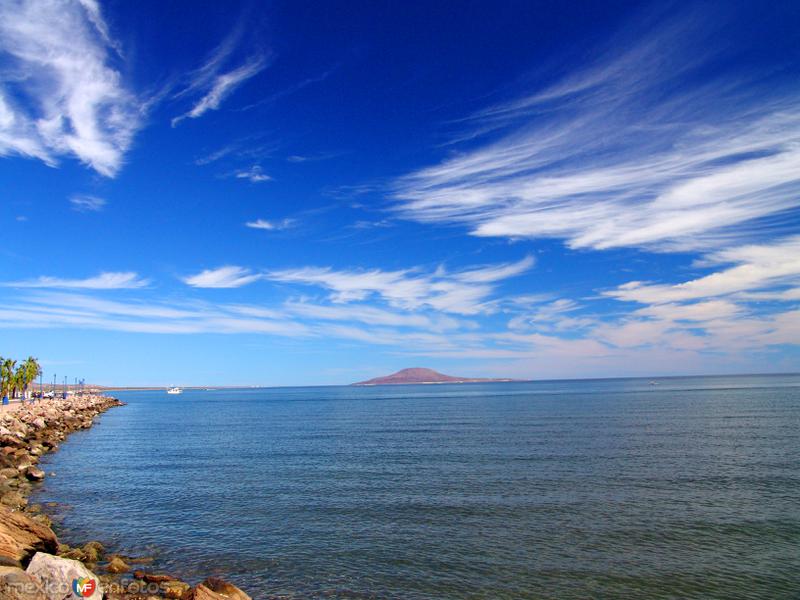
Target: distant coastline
<point>423,376</point>
<point>113,388</point>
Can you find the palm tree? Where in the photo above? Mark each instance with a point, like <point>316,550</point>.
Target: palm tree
<point>30,371</point>
<point>7,377</point>
<point>19,381</point>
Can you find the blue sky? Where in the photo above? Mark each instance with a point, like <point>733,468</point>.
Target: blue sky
<point>307,193</point>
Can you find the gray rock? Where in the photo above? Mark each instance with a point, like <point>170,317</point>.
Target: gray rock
<point>56,575</point>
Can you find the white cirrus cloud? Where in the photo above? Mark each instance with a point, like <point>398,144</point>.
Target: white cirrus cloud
<point>60,94</point>
<point>103,281</point>
<point>85,203</point>
<point>547,315</point>
<point>50,310</point>
<point>636,149</point>
<point>755,267</point>
<point>254,175</point>
<point>372,315</point>
<point>216,85</point>
<point>222,277</point>
<point>696,312</point>
<point>270,225</point>
<point>462,292</point>
<point>706,336</point>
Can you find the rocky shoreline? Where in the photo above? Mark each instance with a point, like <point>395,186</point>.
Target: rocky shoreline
<point>33,564</point>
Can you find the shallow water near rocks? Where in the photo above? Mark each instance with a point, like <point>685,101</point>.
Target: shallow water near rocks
<point>561,489</point>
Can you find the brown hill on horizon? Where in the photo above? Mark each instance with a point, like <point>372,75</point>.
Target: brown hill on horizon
<point>421,375</point>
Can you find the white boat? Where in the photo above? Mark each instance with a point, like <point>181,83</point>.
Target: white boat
<point>174,390</point>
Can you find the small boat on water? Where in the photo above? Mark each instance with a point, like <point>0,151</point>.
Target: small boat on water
<point>174,390</point>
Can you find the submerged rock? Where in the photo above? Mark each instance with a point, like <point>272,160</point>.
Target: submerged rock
<point>93,551</point>
<point>43,520</point>
<point>176,589</point>
<point>116,565</point>
<point>72,554</point>
<point>153,578</point>
<point>59,576</point>
<point>218,589</point>
<point>141,560</point>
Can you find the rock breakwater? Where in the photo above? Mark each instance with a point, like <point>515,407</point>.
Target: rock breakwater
<point>33,564</point>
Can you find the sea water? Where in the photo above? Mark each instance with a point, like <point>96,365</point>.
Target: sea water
<point>557,489</point>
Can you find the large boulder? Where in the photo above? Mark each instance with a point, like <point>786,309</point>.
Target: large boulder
<point>59,577</point>
<point>16,584</point>
<point>21,537</point>
<point>218,589</point>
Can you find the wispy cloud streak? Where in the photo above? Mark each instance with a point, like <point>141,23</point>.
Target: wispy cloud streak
<point>465,292</point>
<point>85,203</point>
<point>270,225</point>
<point>223,277</point>
<point>664,338</point>
<point>254,175</point>
<point>757,267</point>
<point>218,86</point>
<point>644,148</point>
<point>60,95</point>
<point>103,281</point>
<point>48,310</point>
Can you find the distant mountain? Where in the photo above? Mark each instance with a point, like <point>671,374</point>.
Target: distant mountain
<point>419,375</point>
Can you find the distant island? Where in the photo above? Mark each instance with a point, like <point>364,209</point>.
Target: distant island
<point>420,375</point>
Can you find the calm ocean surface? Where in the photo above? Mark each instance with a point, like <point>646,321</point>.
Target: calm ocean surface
<point>560,489</point>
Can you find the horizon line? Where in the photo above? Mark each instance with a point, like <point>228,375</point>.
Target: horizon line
<point>511,381</point>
